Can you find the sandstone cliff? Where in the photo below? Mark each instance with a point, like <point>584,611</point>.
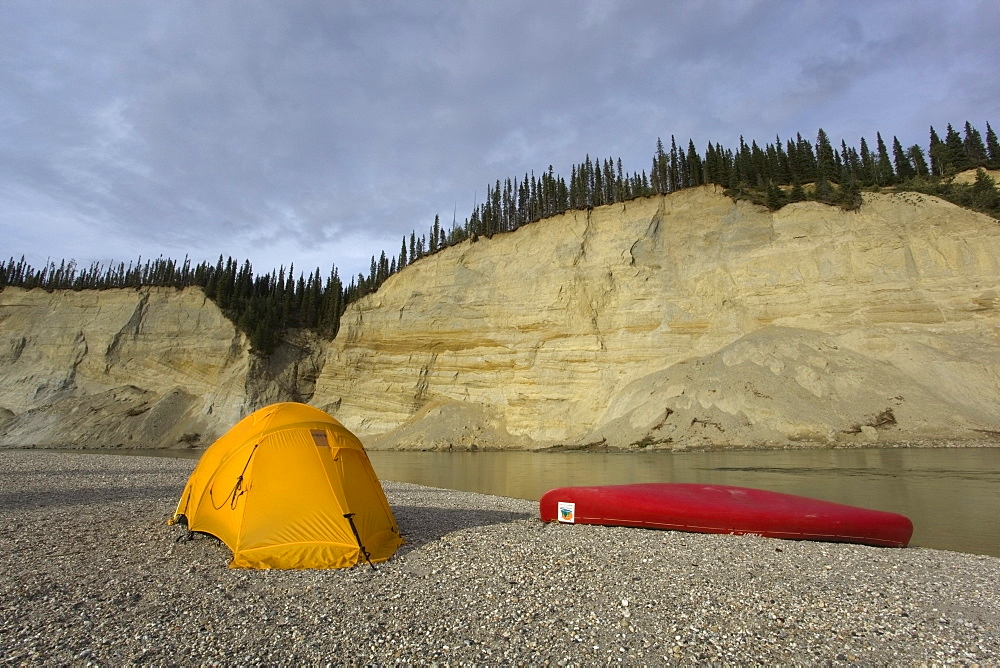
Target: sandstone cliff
<point>668,322</point>
<point>144,368</point>
<point>119,368</point>
<point>685,320</point>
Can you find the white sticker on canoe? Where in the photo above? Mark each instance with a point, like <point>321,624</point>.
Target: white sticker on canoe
<point>567,512</point>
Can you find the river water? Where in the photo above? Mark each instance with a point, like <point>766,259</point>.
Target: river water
<point>952,495</point>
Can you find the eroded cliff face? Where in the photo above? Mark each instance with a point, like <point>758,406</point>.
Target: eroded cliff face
<point>132,368</point>
<point>684,320</point>
<point>681,321</point>
<point>147,368</point>
<point>120,368</point>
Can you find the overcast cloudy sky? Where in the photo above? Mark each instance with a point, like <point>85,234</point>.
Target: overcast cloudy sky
<point>322,132</point>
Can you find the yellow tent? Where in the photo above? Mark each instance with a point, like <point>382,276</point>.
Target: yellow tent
<point>290,487</point>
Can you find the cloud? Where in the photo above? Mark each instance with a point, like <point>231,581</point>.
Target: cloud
<point>319,133</point>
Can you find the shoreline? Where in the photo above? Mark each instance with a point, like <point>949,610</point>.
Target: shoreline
<point>916,443</point>
<point>101,579</point>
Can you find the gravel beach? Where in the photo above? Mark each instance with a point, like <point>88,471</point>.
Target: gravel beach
<point>92,575</point>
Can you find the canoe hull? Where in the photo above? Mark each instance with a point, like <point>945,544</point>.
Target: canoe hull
<point>724,509</point>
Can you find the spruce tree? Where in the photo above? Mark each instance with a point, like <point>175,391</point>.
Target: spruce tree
<point>850,162</point>
<point>760,171</point>
<point>904,170</point>
<point>743,166</point>
<point>916,156</point>
<point>575,190</point>
<point>992,149</point>
<point>784,174</point>
<point>883,166</point>
<point>975,150</point>
<point>824,191</point>
<point>212,288</point>
<point>712,168</point>
<point>806,159</point>
<point>674,180</point>
<point>694,166</point>
<point>850,193</point>
<point>797,193</point>
<point>936,150</point>
<point>435,230</point>
<point>619,182</point>
<point>985,195</point>
<point>792,151</point>
<point>775,198</point>
<point>227,283</point>
<point>868,171</point>
<point>383,269</point>
<point>825,167</point>
<point>956,157</point>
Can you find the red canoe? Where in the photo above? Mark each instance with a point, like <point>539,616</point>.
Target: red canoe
<point>724,509</point>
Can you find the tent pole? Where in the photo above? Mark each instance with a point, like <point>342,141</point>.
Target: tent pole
<point>357,537</point>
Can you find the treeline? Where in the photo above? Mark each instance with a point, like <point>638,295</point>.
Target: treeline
<point>262,306</point>
<point>778,170</point>
<point>773,175</point>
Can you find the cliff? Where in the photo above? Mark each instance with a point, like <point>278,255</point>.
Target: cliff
<point>668,322</point>
<point>685,320</point>
<point>143,368</point>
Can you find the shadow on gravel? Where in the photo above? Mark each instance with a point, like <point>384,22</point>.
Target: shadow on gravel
<point>87,496</point>
<point>424,524</point>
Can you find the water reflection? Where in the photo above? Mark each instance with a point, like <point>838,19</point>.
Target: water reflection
<point>952,495</point>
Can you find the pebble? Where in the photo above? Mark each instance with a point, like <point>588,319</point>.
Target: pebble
<point>94,576</point>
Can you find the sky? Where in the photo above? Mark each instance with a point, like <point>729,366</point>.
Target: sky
<point>320,133</point>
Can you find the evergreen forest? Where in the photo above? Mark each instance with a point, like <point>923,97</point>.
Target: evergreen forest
<point>264,306</point>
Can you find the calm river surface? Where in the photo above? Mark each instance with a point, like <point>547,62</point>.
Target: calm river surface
<point>952,495</point>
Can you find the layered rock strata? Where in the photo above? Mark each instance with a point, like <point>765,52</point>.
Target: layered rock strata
<point>688,319</point>
<point>118,368</point>
<point>666,322</point>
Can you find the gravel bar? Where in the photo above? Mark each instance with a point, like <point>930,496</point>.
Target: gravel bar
<point>92,575</point>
